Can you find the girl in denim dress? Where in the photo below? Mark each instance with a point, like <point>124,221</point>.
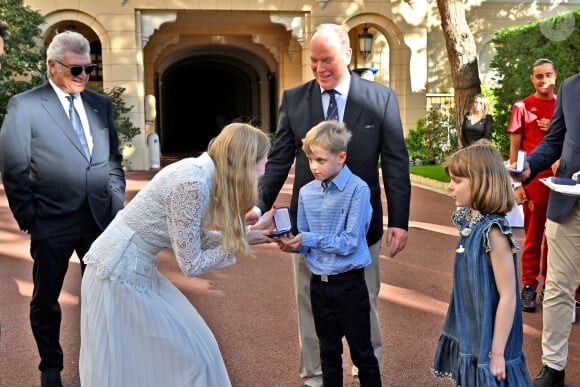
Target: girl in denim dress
<point>481,341</point>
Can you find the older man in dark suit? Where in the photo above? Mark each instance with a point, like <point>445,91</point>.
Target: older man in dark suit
<point>371,112</point>
<point>62,173</point>
<point>562,141</point>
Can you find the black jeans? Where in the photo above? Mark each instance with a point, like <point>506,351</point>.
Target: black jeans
<point>341,309</point>
<point>51,253</point>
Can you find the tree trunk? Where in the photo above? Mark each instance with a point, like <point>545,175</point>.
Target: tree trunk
<point>462,56</point>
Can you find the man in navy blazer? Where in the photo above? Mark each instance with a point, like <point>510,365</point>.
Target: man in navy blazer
<point>62,196</point>
<point>371,112</point>
<point>562,141</point>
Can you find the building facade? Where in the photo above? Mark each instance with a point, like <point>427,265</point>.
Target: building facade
<point>190,66</point>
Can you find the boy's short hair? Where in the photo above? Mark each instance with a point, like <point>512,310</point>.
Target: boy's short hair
<point>332,136</point>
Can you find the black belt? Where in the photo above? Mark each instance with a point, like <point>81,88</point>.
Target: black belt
<point>346,276</point>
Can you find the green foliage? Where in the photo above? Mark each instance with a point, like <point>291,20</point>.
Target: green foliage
<point>23,64</point>
<point>125,127</point>
<point>415,136</point>
<point>488,92</point>
<point>499,135</point>
<point>440,136</point>
<point>434,138</point>
<point>517,48</point>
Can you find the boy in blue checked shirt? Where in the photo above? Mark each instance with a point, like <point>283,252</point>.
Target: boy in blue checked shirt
<point>334,213</point>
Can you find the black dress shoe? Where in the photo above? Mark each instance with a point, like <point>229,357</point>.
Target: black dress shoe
<point>50,378</point>
<point>549,377</point>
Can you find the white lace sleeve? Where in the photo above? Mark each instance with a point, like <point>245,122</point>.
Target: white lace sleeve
<point>196,249</point>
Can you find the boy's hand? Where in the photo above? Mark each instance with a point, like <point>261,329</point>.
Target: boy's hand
<point>289,242</point>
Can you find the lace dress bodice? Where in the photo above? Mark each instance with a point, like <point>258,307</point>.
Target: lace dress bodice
<point>168,212</point>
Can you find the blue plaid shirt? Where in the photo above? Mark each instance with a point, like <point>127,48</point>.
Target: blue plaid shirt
<point>334,220</point>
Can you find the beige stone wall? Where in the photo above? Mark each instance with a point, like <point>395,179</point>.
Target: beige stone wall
<point>143,37</point>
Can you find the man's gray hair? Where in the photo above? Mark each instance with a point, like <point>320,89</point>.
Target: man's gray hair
<point>66,41</point>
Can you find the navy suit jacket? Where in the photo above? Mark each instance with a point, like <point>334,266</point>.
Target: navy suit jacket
<point>44,170</point>
<point>562,140</point>
<point>372,115</point>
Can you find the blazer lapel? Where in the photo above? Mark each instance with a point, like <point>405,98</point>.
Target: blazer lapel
<point>55,109</point>
<point>92,110</point>
<point>354,102</point>
<point>314,99</point>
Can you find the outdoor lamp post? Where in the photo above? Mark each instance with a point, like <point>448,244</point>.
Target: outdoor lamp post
<point>365,42</point>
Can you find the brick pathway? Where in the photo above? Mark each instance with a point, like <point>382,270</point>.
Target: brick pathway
<point>250,306</point>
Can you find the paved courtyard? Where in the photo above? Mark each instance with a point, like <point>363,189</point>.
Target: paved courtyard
<point>250,306</point>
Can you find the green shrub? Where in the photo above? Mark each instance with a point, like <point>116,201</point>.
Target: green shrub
<point>434,138</point>
<point>23,64</point>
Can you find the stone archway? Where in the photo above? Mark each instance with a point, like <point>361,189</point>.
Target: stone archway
<point>410,92</point>
<point>201,84</point>
<point>200,94</point>
<point>399,52</point>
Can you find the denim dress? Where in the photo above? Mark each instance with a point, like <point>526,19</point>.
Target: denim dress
<point>462,351</point>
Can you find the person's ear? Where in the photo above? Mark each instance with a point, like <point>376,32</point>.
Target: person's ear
<point>347,56</point>
<point>51,65</point>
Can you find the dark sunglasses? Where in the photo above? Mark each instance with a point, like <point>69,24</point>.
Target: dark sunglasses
<point>78,69</point>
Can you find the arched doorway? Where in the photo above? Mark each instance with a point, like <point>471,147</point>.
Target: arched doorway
<point>204,88</point>
<point>201,94</point>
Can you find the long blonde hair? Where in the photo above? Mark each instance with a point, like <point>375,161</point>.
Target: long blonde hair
<point>482,163</point>
<point>235,152</point>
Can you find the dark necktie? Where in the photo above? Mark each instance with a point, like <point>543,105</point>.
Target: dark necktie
<point>75,120</point>
<point>332,112</point>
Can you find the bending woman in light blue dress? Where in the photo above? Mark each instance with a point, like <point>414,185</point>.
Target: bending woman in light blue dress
<point>137,328</point>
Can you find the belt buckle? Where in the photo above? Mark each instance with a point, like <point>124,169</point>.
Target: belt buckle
<point>324,278</point>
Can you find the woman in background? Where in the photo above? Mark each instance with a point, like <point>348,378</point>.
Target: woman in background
<point>478,123</point>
